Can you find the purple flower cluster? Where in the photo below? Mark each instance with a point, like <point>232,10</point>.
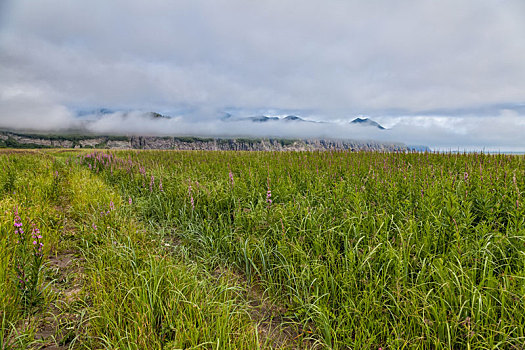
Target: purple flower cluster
<point>98,160</point>
<point>269,197</point>
<point>106,161</point>
<point>19,231</point>
<point>231,177</point>
<point>191,197</point>
<point>37,244</point>
<point>26,269</point>
<point>111,208</point>
<point>18,227</point>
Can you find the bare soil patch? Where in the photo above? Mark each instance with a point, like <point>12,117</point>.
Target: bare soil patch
<point>62,320</point>
<point>276,329</point>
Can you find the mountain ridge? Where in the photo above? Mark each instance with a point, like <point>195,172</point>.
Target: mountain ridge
<point>21,140</point>
<point>367,122</point>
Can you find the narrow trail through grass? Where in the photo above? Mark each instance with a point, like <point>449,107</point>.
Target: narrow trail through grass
<point>255,321</point>
<point>110,280</point>
<point>367,250</point>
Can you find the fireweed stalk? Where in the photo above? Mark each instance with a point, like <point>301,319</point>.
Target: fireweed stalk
<point>191,197</point>
<point>231,176</point>
<point>28,259</point>
<point>269,197</point>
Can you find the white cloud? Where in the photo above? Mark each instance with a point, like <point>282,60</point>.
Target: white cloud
<point>403,59</point>
<point>439,133</point>
<point>28,107</point>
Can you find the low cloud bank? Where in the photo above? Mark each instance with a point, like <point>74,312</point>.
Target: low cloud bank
<point>33,110</point>
<point>29,108</point>
<point>437,132</point>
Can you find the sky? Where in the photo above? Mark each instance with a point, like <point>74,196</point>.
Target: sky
<point>447,73</point>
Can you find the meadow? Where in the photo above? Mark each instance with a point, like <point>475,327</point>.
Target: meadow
<point>247,250</point>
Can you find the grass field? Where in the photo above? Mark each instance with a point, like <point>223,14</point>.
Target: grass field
<point>246,250</point>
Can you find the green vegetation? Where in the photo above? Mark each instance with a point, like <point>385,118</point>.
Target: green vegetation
<point>247,141</point>
<point>343,250</point>
<point>101,145</point>
<point>12,143</point>
<point>124,288</point>
<point>191,139</point>
<point>285,142</point>
<point>69,137</point>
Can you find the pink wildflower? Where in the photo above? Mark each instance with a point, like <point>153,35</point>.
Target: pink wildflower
<point>35,233</point>
<point>231,178</point>
<point>269,196</point>
<point>191,197</point>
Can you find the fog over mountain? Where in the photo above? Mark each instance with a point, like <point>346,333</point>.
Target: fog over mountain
<point>446,74</point>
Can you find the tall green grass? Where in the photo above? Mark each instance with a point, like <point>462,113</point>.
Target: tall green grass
<point>358,250</point>
<point>26,186</point>
<point>143,297</point>
<point>126,290</point>
<point>368,249</point>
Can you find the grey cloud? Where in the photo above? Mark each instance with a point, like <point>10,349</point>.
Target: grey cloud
<point>31,106</point>
<point>499,132</point>
<point>403,59</point>
<point>20,114</point>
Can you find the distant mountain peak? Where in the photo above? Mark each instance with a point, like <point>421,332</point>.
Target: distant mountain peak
<point>293,118</point>
<point>102,112</point>
<point>155,115</point>
<point>226,116</point>
<point>288,118</point>
<point>367,122</point>
<point>97,112</point>
<point>262,119</point>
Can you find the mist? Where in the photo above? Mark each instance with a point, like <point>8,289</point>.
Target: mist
<point>436,132</point>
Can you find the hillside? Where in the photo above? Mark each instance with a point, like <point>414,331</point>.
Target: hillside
<point>19,140</point>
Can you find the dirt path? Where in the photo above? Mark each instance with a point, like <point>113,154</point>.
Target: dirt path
<point>60,323</point>
<point>64,321</point>
<point>275,329</point>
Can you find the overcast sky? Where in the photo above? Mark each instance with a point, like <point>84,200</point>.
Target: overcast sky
<point>445,73</point>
